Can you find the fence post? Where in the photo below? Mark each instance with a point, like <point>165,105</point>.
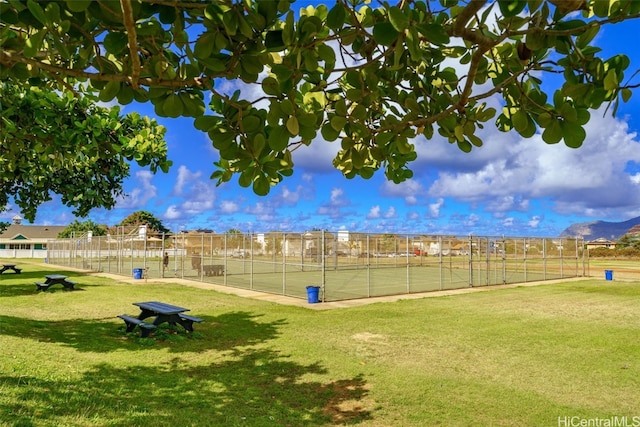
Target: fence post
<point>323,266</point>
<point>470,260</point>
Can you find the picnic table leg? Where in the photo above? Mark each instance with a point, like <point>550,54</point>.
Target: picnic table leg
<point>186,324</point>
<point>145,313</point>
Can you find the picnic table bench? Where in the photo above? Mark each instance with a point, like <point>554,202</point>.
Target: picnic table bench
<point>132,322</point>
<point>213,270</point>
<point>55,279</point>
<point>163,313</point>
<point>7,267</point>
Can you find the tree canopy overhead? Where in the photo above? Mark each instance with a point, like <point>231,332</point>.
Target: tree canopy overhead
<point>371,75</point>
<point>54,142</point>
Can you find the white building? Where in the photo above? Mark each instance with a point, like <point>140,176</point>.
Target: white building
<point>27,241</point>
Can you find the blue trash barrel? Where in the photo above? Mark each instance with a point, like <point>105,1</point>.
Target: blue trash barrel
<point>608,274</point>
<point>137,273</point>
<point>313,292</point>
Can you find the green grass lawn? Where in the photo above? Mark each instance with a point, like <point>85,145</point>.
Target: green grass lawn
<point>525,356</point>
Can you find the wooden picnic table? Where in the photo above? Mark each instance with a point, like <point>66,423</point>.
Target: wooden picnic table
<point>7,267</point>
<point>213,270</point>
<point>55,279</point>
<point>163,313</point>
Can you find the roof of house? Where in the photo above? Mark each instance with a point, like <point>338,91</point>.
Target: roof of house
<point>600,241</point>
<point>31,232</point>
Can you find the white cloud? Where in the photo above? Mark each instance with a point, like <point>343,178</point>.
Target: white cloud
<point>534,221</point>
<point>434,208</point>
<point>374,212</point>
<point>589,179</point>
<point>472,220</point>
<point>412,191</point>
<point>172,213</point>
<point>185,176</point>
<point>229,207</point>
<point>141,194</point>
<point>192,194</point>
<point>263,212</point>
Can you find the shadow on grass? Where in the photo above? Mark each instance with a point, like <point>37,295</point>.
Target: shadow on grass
<point>254,387</point>
<point>223,332</point>
<point>24,283</point>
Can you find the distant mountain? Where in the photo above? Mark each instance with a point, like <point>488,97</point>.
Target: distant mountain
<point>596,229</point>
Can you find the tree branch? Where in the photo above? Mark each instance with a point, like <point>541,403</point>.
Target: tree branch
<point>129,24</point>
<point>7,59</point>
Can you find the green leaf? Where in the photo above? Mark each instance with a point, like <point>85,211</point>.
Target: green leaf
<point>230,22</point>
<point>287,107</point>
<point>535,40</point>
<point>52,12</point>
<point>259,143</point>
<point>246,178</point>
<point>329,133</point>
<point>32,44</point>
<point>261,186</point>
<point>78,5</point>
<point>278,138</point>
<point>251,123</point>
<point>292,125</point>
<point>384,33</point>
<point>270,86</point>
<point>626,94</point>
<point>553,133</point>
<point>206,123</point>
<point>115,43</point>
<point>611,80</point>
<point>204,46</point>
<point>601,8</point>
<point>520,121</point>
<point>583,116</point>
<point>273,41</point>
<point>458,131</point>
<point>173,106</point>
<point>398,19</point>
<point>435,33</point>
<point>585,38</point>
<point>336,17</point>
<point>37,11</point>
<point>109,91</point>
<point>465,146</point>
<point>573,133</point>
<point>510,8</point>
<point>338,123</point>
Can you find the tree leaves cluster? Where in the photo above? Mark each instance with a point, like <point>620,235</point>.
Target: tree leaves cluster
<point>371,77</point>
<point>55,142</point>
<point>78,229</point>
<point>154,225</point>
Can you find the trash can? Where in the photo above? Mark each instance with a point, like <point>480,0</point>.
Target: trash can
<point>313,292</point>
<point>137,273</point>
<point>608,274</point>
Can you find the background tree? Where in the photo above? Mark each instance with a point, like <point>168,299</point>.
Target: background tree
<point>629,240</point>
<point>77,228</point>
<point>234,238</point>
<point>56,142</point>
<point>4,225</point>
<point>372,76</point>
<point>154,225</point>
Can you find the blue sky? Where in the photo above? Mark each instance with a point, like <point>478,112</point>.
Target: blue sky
<point>510,186</point>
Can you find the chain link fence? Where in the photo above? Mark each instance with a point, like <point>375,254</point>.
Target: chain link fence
<point>344,265</point>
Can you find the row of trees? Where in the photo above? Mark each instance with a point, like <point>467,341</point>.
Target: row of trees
<point>78,228</point>
<point>372,76</point>
<point>628,246</point>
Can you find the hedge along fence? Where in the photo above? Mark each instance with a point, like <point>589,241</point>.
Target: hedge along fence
<point>344,265</point>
